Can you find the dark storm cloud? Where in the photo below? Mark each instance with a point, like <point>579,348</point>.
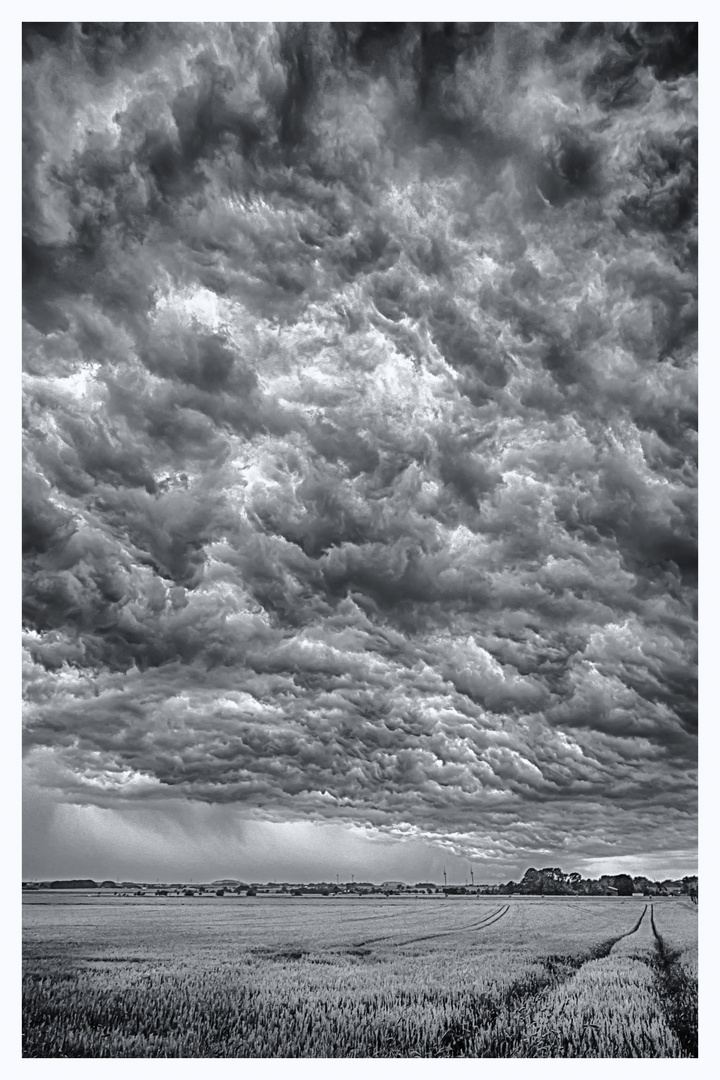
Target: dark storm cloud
<point>361,424</point>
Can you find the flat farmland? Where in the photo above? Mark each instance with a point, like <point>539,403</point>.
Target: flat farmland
<point>367,977</point>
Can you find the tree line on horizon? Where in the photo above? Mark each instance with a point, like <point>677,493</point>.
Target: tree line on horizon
<point>550,881</point>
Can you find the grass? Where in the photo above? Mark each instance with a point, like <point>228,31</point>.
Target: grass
<point>366,978</point>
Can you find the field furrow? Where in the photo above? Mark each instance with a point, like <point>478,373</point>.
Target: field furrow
<point>446,931</point>
<point>678,978</point>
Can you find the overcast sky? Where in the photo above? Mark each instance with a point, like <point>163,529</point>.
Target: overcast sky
<point>360,429</point>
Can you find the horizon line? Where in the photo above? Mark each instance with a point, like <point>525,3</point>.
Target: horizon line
<point>368,881</point>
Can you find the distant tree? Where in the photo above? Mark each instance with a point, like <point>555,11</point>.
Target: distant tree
<point>690,884</point>
<point>645,886</point>
<point>550,881</point>
<point>624,884</point>
<point>531,884</point>
<point>553,873</point>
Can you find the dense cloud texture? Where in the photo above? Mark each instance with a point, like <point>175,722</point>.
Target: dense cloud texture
<point>360,426</point>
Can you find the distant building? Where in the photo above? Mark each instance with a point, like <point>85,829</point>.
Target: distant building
<point>393,886</point>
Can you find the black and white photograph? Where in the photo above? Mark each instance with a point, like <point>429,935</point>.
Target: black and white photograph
<point>359,528</point>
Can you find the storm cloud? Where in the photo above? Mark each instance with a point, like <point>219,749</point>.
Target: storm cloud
<point>360,426</point>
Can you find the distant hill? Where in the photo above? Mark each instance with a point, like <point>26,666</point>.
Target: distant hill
<point>72,883</point>
<point>82,883</point>
<point>226,881</point>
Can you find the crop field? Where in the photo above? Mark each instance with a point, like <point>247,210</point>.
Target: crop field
<point>295,977</point>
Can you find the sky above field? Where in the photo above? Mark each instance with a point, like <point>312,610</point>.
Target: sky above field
<point>360,450</point>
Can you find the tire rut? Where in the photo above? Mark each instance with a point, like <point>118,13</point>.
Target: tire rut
<point>373,918</point>
<point>630,933</point>
<point>679,993</point>
<point>487,1009</point>
<point>494,916</point>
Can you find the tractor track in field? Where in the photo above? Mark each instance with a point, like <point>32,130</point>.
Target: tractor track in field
<point>488,920</point>
<point>519,999</point>
<point>679,994</point>
<point>630,933</point>
<point>372,918</point>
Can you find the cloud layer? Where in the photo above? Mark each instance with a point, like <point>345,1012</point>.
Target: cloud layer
<point>360,426</point>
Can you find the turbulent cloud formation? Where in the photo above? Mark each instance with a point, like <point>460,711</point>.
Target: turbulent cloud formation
<point>360,426</point>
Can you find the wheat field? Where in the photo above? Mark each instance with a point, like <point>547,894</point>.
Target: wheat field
<point>292,977</point>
